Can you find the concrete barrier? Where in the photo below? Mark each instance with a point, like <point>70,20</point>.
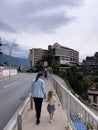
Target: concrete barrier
<point>16,120</point>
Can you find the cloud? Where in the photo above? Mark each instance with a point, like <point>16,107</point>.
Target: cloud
<point>21,15</point>
<point>50,22</point>
<point>6,27</point>
<point>38,23</point>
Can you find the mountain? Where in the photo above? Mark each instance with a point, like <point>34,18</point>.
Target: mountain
<point>15,61</point>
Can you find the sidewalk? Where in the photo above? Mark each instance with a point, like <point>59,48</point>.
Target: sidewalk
<point>29,119</point>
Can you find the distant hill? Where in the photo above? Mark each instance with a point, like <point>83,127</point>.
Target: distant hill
<point>15,61</point>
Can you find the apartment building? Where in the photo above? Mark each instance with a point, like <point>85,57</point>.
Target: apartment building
<point>90,64</point>
<point>91,60</point>
<point>63,54</point>
<point>93,95</point>
<point>36,54</point>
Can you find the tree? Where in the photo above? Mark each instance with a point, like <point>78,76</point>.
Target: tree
<point>39,66</point>
<point>85,84</point>
<point>96,72</point>
<point>55,66</point>
<point>49,58</point>
<point>95,79</point>
<point>72,78</point>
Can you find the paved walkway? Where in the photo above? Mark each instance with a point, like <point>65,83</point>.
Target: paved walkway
<point>29,119</point>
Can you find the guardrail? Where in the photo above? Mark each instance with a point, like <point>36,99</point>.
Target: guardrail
<point>16,120</point>
<point>73,106</point>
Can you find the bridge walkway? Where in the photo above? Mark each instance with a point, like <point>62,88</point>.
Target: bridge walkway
<point>29,118</point>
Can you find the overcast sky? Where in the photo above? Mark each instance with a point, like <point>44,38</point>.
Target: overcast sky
<point>39,23</point>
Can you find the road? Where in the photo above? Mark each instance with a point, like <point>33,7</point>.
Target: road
<point>13,91</point>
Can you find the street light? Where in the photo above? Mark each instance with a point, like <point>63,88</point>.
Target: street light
<point>10,46</point>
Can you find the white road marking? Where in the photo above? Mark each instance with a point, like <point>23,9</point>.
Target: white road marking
<point>10,85</point>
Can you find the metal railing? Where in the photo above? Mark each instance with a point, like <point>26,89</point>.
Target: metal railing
<point>73,106</point>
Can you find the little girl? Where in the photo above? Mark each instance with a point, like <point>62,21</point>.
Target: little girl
<point>51,105</point>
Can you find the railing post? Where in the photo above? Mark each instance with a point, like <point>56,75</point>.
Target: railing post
<point>97,126</point>
<point>68,110</point>
<point>31,99</point>
<point>19,122</point>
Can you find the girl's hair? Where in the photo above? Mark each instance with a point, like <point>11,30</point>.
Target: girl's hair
<point>50,94</point>
<point>38,76</point>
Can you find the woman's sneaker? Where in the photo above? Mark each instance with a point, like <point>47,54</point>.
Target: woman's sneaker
<point>37,122</point>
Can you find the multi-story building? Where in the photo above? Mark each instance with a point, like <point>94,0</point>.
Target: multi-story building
<point>90,64</point>
<point>93,95</point>
<point>36,54</point>
<point>63,54</point>
<point>93,60</point>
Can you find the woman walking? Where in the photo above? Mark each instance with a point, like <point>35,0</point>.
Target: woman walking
<point>38,94</point>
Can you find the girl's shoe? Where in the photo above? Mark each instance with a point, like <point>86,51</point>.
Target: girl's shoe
<point>50,121</point>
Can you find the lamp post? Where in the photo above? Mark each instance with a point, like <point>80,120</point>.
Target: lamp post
<point>10,47</point>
